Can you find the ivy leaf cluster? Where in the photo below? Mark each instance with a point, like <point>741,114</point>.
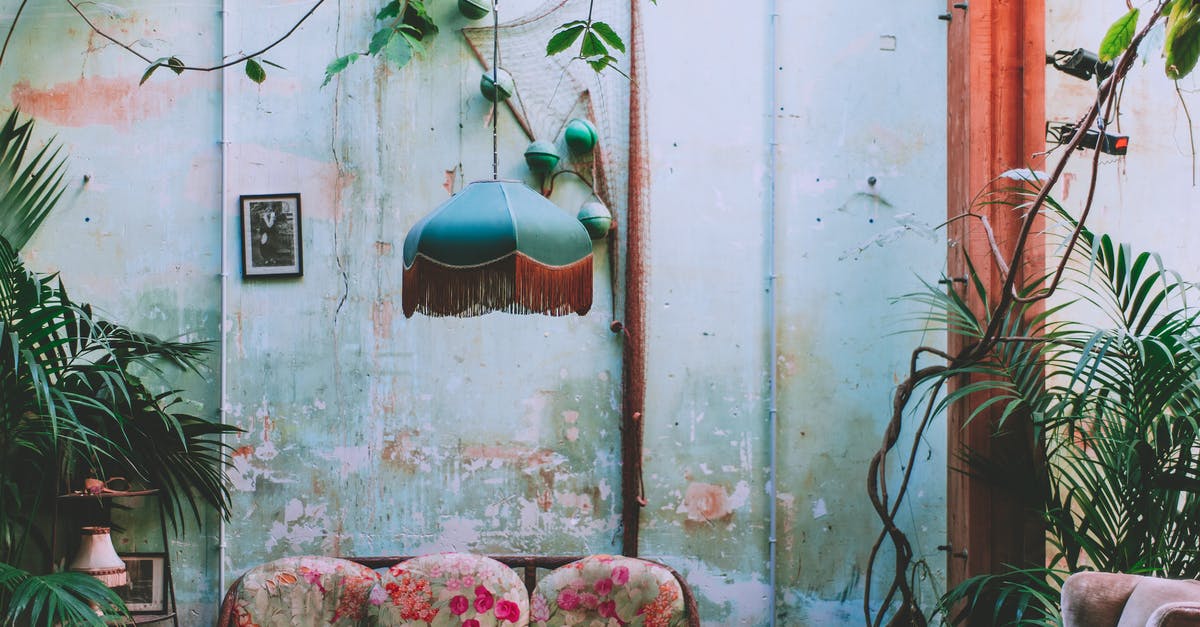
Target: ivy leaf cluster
<point>595,40</point>
<point>407,26</point>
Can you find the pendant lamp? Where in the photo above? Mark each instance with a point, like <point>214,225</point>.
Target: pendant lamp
<point>497,246</point>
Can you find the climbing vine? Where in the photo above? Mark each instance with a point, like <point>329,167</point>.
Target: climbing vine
<point>405,29</point>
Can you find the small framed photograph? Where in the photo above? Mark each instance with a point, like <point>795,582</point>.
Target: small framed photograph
<point>271,236</point>
<point>147,589</point>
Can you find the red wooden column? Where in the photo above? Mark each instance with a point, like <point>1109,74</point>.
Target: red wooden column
<point>996,91</point>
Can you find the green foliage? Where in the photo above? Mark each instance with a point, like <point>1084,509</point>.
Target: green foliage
<point>255,71</point>
<point>595,39</point>
<point>30,181</point>
<point>339,64</point>
<point>74,400</point>
<point>1113,407</point>
<point>566,35</point>
<point>174,63</point>
<point>407,27</point>
<point>1182,44</point>
<point>1119,36</point>
<point>57,598</point>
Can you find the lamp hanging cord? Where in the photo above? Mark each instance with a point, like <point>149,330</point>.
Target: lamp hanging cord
<point>495,89</point>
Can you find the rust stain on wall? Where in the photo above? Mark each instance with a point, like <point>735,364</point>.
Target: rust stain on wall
<point>382,314</point>
<point>401,451</point>
<point>99,100</point>
<point>523,456</point>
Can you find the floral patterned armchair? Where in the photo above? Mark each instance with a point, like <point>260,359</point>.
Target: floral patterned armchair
<point>300,592</point>
<point>452,589</point>
<point>459,590</point>
<point>603,590</point>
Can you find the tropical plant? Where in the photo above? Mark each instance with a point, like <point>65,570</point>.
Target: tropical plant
<point>1114,409</point>
<point>74,400</point>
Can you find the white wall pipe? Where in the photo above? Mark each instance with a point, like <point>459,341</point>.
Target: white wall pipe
<point>224,209</point>
<point>772,317</point>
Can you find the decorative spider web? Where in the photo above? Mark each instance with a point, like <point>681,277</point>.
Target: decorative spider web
<point>550,91</point>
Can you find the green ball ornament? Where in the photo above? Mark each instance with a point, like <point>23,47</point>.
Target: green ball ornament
<point>580,136</point>
<point>474,9</point>
<point>541,157</point>
<point>500,90</point>
<point>596,218</point>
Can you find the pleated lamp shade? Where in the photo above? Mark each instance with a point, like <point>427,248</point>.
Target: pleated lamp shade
<point>98,558</point>
<point>497,246</point>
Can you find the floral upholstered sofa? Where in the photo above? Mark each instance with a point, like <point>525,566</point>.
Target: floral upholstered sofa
<point>459,590</point>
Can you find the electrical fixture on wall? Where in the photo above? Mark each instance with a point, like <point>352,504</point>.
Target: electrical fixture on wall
<point>1080,63</point>
<point>1108,143</point>
<point>1084,64</point>
<point>497,245</point>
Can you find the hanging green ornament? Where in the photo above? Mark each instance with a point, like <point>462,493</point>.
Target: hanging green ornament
<point>596,218</point>
<point>580,136</point>
<point>541,157</point>
<point>474,9</point>
<point>499,88</point>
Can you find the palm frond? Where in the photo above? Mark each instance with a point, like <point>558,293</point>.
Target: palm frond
<point>30,180</point>
<point>57,599</point>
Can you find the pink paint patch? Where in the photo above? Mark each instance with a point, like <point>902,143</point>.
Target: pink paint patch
<point>525,457</point>
<point>118,102</point>
<point>382,314</point>
<point>705,502</point>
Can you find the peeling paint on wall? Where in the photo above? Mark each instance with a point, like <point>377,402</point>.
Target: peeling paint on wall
<point>369,433</point>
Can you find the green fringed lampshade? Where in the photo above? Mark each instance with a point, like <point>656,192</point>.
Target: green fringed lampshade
<point>497,246</point>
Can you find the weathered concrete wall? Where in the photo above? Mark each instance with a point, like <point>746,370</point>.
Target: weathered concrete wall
<point>371,434</point>
<point>860,95</point>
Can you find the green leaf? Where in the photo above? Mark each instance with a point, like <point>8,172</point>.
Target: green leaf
<point>563,40</point>
<point>418,17</point>
<point>175,64</point>
<point>592,46</point>
<point>380,39</point>
<point>398,51</point>
<point>1119,36</point>
<point>255,72</point>
<point>1185,50</point>
<point>599,63</point>
<point>149,71</point>
<point>391,9</point>
<point>339,64</point>
<point>609,35</point>
<point>413,42</point>
<point>1182,45</point>
<point>273,64</point>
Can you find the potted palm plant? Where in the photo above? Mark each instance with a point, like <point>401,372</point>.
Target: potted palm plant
<point>76,395</point>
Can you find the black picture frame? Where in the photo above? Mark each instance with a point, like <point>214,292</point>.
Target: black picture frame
<point>271,236</point>
<point>146,592</point>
